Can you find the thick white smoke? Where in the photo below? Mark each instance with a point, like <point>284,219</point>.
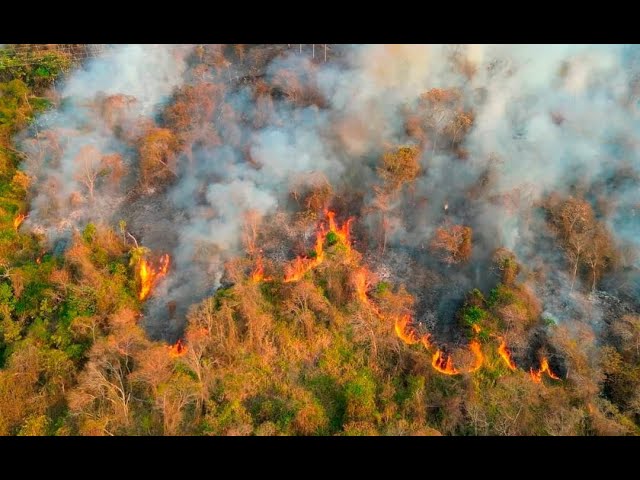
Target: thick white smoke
<point>544,118</point>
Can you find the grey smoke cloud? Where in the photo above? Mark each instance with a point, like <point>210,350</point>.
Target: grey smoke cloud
<point>545,116</point>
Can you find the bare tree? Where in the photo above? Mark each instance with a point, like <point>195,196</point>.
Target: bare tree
<point>88,161</point>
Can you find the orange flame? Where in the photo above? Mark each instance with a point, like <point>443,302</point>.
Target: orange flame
<point>407,336</point>
<point>149,276</point>
<point>18,220</point>
<point>258,274</point>
<point>342,232</point>
<point>544,368</point>
<point>301,265</point>
<point>360,281</point>
<point>476,349</point>
<point>177,350</point>
<point>443,364</point>
<point>506,355</point>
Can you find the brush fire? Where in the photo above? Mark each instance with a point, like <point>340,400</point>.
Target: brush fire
<point>150,275</point>
<point>381,239</point>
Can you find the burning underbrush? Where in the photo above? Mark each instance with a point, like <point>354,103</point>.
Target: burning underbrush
<point>337,269</point>
<point>334,247</point>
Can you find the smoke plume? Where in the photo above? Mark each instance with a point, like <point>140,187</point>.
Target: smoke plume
<point>542,119</point>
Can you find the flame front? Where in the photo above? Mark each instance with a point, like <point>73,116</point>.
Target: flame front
<point>258,273</point>
<point>18,220</point>
<point>149,276</point>
<point>343,232</point>
<point>544,368</point>
<point>360,281</point>
<point>408,336</point>
<point>504,353</point>
<point>476,349</point>
<point>301,265</point>
<point>177,350</point>
<point>443,363</point>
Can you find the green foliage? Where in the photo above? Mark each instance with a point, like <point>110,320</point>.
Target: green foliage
<point>36,68</point>
<point>332,238</point>
<point>332,398</point>
<point>473,315</point>
<point>222,294</point>
<point>7,301</point>
<point>382,287</point>
<point>501,295</point>
<point>89,233</point>
<point>360,395</point>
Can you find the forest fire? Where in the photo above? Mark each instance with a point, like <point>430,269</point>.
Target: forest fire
<point>408,336</point>
<point>360,281</point>
<point>301,265</point>
<point>258,273</point>
<point>18,220</point>
<point>443,364</point>
<point>476,349</point>
<point>544,368</point>
<point>177,350</point>
<point>504,353</point>
<point>150,276</point>
<point>343,232</point>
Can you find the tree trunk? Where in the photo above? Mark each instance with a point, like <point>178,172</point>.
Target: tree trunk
<point>575,272</point>
<point>384,233</point>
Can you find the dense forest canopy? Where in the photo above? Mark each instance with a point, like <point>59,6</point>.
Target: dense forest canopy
<point>319,240</point>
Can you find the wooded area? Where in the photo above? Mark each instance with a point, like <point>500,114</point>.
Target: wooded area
<point>145,290</point>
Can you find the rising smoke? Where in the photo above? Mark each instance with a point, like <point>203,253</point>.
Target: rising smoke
<point>545,119</point>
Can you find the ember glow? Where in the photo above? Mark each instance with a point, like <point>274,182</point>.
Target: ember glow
<point>504,353</point>
<point>177,350</point>
<point>544,368</point>
<point>149,276</point>
<point>18,220</point>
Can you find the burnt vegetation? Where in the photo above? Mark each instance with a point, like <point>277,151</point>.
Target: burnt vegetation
<point>263,242</point>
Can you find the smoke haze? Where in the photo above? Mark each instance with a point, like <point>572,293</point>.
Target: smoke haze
<point>545,119</point>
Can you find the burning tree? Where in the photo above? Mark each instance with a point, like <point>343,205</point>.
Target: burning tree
<point>149,276</point>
